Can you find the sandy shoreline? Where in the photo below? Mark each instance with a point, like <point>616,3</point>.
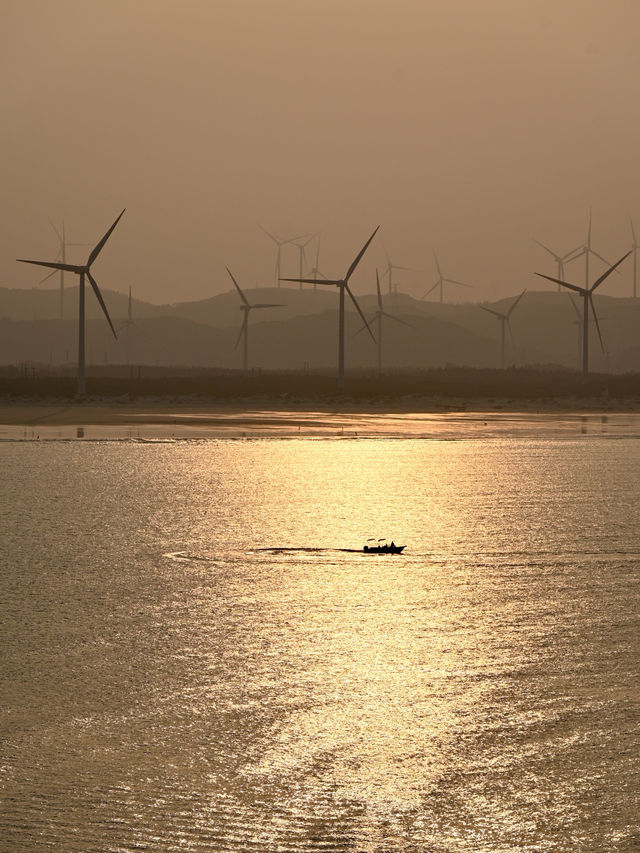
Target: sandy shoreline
<point>165,420</point>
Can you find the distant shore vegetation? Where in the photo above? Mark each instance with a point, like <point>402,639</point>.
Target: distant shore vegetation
<point>131,383</point>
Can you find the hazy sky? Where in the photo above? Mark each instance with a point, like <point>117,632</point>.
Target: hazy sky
<point>465,127</point>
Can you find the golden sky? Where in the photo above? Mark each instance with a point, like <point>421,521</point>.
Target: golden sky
<point>467,127</point>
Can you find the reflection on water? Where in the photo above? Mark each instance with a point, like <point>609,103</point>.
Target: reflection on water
<point>168,685</point>
<point>183,424</point>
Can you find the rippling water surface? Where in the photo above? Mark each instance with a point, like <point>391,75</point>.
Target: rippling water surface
<point>168,686</point>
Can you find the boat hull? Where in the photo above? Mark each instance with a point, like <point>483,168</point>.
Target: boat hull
<point>385,549</point>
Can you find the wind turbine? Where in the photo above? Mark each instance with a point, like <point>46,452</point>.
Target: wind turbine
<point>83,270</point>
<point>578,324</point>
<point>389,272</point>
<point>561,260</point>
<point>62,257</point>
<point>244,328</point>
<point>342,285</point>
<point>634,248</point>
<point>442,281</point>
<point>302,256</point>
<point>380,313</point>
<point>279,244</point>
<point>586,250</point>
<point>587,297</point>
<point>505,322</point>
<point>128,323</point>
<point>315,271</point>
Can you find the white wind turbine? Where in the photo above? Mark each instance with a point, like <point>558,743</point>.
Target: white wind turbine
<point>442,281</point>
<point>342,285</point>
<point>505,323</point>
<point>82,270</point>
<point>301,246</point>
<point>62,257</point>
<point>244,328</point>
<point>587,302</point>
<point>315,270</point>
<point>389,273</point>
<point>586,250</point>
<point>128,324</point>
<point>380,313</point>
<point>561,260</point>
<point>279,245</point>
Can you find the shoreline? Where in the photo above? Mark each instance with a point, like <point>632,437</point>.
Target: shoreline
<point>157,419</point>
<point>159,410</point>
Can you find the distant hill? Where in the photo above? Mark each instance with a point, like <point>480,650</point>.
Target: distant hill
<point>304,331</point>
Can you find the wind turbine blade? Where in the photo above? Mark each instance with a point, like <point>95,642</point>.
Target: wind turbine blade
<point>359,310</point>
<point>311,280</point>
<point>600,258</point>
<point>398,320</point>
<point>547,249</point>
<point>609,271</point>
<point>563,283</point>
<point>94,254</point>
<point>361,329</point>
<point>359,257</point>
<point>572,255</point>
<point>577,253</point>
<point>510,311</point>
<point>595,317</point>
<point>453,281</point>
<point>292,239</point>
<point>269,305</point>
<point>42,280</point>
<point>242,296</point>
<point>431,289</point>
<point>242,329</point>
<point>96,290</point>
<point>437,266</point>
<point>633,232</point>
<point>589,232</point>
<point>275,239</point>
<point>508,321</point>
<point>377,288</point>
<point>491,311</point>
<point>52,265</point>
<point>58,234</point>
<point>575,307</point>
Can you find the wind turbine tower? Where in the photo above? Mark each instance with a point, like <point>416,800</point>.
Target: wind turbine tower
<point>128,325</point>
<point>84,271</point>
<point>244,328</point>
<point>587,302</point>
<point>380,313</point>
<point>343,284</point>
<point>505,322</point>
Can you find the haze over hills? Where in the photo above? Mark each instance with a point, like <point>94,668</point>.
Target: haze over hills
<point>303,333</point>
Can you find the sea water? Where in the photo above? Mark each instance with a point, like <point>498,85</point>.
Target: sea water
<point>169,685</point>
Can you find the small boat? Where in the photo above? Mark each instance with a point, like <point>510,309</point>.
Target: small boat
<point>380,546</point>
